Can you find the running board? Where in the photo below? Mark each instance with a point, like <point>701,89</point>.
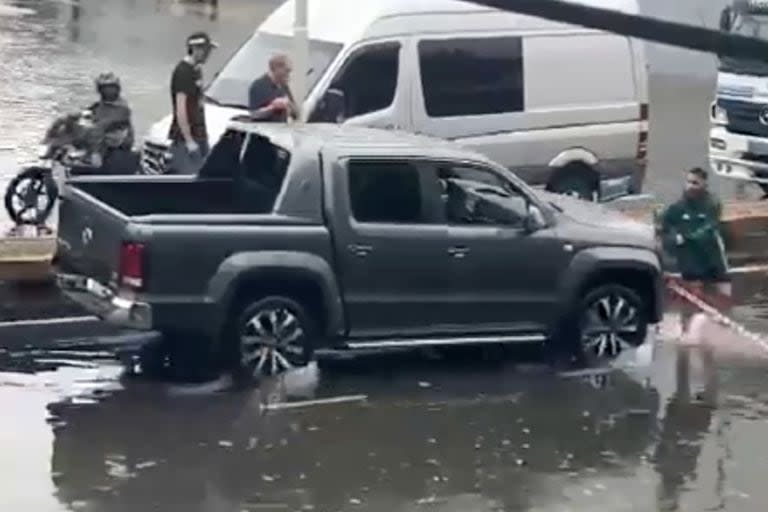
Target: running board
<point>442,342</point>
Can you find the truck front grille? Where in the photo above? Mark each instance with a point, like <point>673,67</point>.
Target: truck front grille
<point>744,117</point>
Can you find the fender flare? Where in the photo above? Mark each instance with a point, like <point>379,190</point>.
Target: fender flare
<point>238,268</point>
<point>574,155</point>
<point>589,263</point>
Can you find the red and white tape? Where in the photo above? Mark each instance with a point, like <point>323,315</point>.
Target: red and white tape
<point>718,316</point>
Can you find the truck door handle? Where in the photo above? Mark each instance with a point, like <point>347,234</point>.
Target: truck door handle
<point>360,250</point>
<point>458,251</point>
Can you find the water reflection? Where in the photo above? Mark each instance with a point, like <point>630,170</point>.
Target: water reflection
<point>449,436</point>
<point>686,423</point>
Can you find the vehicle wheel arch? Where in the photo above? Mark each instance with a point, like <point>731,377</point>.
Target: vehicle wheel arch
<point>631,267</point>
<point>576,163</point>
<point>296,275</point>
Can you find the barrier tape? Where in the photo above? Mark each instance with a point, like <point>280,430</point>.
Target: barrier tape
<point>717,315</point>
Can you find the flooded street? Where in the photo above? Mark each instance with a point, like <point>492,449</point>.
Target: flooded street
<point>406,434</point>
<point>399,432</point>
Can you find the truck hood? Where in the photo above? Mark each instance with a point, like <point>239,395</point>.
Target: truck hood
<point>601,222</point>
<point>216,118</point>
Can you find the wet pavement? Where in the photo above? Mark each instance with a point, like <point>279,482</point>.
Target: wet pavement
<point>470,432</point>
<point>405,433</point>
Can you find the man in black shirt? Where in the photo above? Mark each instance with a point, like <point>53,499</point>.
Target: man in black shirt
<point>188,134</point>
<point>269,97</point>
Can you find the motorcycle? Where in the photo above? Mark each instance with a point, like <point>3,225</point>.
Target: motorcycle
<point>72,146</point>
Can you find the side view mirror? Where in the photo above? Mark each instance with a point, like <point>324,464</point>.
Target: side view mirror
<point>332,108</point>
<point>534,220</point>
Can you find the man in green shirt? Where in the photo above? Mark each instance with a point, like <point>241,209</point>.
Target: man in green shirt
<point>691,232</point>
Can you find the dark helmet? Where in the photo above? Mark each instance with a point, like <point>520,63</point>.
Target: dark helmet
<point>107,79</point>
<point>108,86</point>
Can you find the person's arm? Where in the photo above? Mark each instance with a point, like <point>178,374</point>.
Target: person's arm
<point>714,223</point>
<point>182,118</point>
<point>260,103</point>
<point>670,236</point>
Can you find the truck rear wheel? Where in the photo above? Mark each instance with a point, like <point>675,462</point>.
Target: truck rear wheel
<point>610,320</point>
<point>271,336</point>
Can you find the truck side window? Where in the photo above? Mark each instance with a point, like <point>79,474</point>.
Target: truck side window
<point>480,197</point>
<point>472,76</point>
<point>385,192</point>
<point>369,79</point>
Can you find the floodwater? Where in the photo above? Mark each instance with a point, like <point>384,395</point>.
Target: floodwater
<point>405,433</point>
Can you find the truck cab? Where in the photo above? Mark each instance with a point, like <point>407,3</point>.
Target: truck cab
<point>739,114</point>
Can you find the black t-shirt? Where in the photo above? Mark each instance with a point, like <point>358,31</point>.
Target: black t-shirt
<point>188,79</point>
<point>262,92</point>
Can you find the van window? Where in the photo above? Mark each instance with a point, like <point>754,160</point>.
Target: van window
<point>464,77</point>
<point>369,79</point>
<point>598,70</point>
<point>385,192</point>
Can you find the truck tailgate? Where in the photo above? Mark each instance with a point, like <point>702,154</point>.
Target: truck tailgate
<point>90,235</point>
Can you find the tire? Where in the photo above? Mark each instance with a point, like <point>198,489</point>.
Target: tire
<point>20,199</point>
<point>283,341</point>
<point>609,320</point>
<point>577,181</point>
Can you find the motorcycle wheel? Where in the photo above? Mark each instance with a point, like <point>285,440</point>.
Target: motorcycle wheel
<point>24,193</point>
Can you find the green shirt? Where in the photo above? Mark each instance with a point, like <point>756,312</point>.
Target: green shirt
<point>698,221</point>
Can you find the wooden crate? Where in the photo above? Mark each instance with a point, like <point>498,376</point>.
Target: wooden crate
<point>26,258</point>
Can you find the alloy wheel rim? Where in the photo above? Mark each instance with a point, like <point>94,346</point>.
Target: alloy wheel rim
<point>270,341</point>
<point>27,195</point>
<point>611,322</point>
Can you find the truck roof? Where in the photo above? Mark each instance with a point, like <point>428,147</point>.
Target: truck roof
<point>352,140</point>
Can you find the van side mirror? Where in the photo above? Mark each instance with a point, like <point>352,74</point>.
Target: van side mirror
<point>332,107</point>
<point>534,220</point>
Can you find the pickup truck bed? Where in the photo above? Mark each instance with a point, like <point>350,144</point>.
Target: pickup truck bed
<point>167,195</point>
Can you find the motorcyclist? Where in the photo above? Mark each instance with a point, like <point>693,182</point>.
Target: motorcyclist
<point>111,111</point>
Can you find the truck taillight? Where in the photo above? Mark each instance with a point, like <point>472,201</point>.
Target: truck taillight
<point>132,264</point>
<point>642,138</point>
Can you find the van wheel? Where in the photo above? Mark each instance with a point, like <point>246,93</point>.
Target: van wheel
<point>271,336</point>
<point>576,180</point>
<point>610,320</point>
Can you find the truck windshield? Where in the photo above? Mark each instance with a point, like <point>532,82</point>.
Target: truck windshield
<point>750,24</point>
<point>230,86</point>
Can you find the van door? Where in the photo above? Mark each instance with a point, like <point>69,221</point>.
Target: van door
<point>374,85</point>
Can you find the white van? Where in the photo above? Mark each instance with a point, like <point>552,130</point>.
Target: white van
<point>563,106</point>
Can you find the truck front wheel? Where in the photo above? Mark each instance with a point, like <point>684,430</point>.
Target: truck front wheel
<point>270,336</point>
<point>610,320</point>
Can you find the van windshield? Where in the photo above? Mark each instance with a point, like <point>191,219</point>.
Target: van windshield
<point>749,22</point>
<point>230,86</point>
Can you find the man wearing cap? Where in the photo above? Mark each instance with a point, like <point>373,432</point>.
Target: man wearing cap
<point>188,134</point>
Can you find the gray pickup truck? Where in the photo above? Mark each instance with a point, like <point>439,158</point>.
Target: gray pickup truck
<point>293,239</point>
